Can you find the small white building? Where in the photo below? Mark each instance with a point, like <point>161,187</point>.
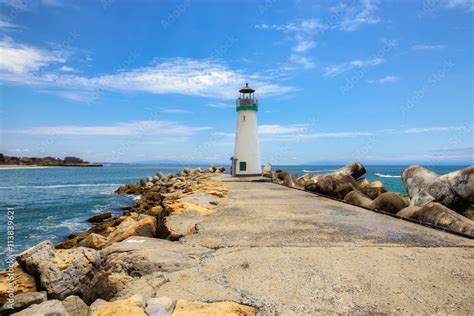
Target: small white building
<point>246,159</point>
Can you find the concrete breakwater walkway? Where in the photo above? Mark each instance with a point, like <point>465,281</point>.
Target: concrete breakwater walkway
<point>289,252</point>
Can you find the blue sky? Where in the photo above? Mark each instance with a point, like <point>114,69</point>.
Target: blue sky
<point>377,81</point>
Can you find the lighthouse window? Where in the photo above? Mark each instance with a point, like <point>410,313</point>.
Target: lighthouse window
<point>244,118</point>
<point>243,166</point>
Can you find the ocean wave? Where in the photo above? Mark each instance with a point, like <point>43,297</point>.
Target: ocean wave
<point>318,171</point>
<point>57,186</point>
<point>381,175</point>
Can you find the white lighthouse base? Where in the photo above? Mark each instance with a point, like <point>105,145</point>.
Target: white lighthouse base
<point>246,159</point>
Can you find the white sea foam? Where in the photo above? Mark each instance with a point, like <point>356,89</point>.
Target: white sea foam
<point>3,167</point>
<point>381,175</point>
<point>318,171</point>
<point>57,186</point>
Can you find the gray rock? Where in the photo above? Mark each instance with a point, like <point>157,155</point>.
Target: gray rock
<point>100,217</point>
<point>291,181</point>
<point>390,202</point>
<point>409,211</point>
<point>355,170</point>
<point>144,255</point>
<point>334,184</point>
<point>62,272</point>
<point>358,198</point>
<point>177,225</point>
<point>160,306</point>
<point>75,306</point>
<point>454,190</point>
<point>23,300</point>
<point>267,170</point>
<point>440,215</point>
<point>47,308</point>
<point>281,174</point>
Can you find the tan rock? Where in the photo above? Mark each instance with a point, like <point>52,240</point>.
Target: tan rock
<point>75,306</point>
<point>24,282</point>
<point>187,308</point>
<point>94,241</point>
<point>62,272</point>
<point>132,306</point>
<point>155,210</point>
<point>362,183</point>
<point>374,189</point>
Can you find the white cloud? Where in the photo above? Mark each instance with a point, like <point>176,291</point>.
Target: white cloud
<point>353,17</point>
<point>302,60</point>
<point>272,129</point>
<point>206,78</point>
<point>305,26</point>
<point>386,79</point>
<point>469,4</point>
<point>147,127</point>
<point>221,105</point>
<point>301,34</point>
<point>335,70</point>
<point>22,59</point>
<point>304,46</point>
<point>438,129</point>
<point>20,5</point>
<point>67,69</point>
<point>427,47</point>
<point>176,111</point>
<point>7,25</point>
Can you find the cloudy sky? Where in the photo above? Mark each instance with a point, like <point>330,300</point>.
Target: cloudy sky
<point>379,81</point>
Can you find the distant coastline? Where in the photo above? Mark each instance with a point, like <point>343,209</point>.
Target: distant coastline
<point>35,162</point>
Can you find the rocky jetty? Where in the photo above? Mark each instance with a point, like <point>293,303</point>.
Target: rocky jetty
<point>116,266</point>
<point>434,199</point>
<point>45,161</point>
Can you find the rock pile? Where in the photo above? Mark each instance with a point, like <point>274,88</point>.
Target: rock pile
<point>434,199</point>
<point>121,256</point>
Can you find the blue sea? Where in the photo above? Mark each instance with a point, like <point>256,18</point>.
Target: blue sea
<point>54,202</point>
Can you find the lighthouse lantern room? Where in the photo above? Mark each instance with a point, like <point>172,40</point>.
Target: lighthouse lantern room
<point>246,159</point>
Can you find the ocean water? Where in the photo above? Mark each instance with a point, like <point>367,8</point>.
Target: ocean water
<point>52,203</point>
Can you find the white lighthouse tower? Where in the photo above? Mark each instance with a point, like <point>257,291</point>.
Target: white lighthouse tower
<point>246,159</point>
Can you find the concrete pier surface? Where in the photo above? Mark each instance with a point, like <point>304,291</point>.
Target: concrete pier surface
<point>289,252</point>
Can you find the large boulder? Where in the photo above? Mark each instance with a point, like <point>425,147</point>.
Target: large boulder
<point>355,170</point>
<point>47,308</point>
<point>373,189</point>
<point>94,241</point>
<point>75,306</point>
<point>301,181</point>
<point>454,190</point>
<point>62,272</point>
<point>100,217</point>
<point>267,170</point>
<point>290,181</point>
<point>439,215</point>
<point>358,198</point>
<point>134,305</point>
<point>390,202</point>
<point>23,300</point>
<point>23,283</point>
<point>408,211</point>
<point>185,308</point>
<point>336,185</point>
<point>281,174</point>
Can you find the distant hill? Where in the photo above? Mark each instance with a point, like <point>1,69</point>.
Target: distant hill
<point>45,161</point>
